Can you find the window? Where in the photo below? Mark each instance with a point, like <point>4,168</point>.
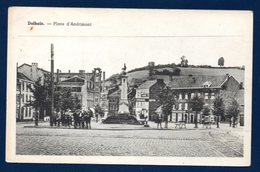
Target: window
<point>76,89</point>
<point>26,98</point>
<point>206,95</point>
<point>26,112</point>
<point>186,106</point>
<point>207,84</point>
<point>22,86</point>
<point>186,96</point>
<point>192,95</point>
<point>198,94</point>
<point>180,106</point>
<point>180,96</point>
<point>212,95</point>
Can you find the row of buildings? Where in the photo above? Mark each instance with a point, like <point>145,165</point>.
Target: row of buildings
<point>87,86</point>
<point>185,88</point>
<point>91,89</point>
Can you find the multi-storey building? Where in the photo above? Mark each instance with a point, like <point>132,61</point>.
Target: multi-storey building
<point>23,96</point>
<point>146,95</point>
<point>207,87</point>
<point>92,81</point>
<point>33,72</point>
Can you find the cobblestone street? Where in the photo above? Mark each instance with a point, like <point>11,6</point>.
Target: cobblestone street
<point>127,140</point>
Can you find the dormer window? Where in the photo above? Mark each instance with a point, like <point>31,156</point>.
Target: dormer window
<point>206,84</point>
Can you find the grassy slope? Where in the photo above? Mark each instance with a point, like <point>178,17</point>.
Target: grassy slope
<point>237,73</point>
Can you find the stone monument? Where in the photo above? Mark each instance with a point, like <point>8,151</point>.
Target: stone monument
<point>123,103</point>
<point>123,116</point>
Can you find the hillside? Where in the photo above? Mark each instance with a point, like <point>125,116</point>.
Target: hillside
<point>138,76</point>
<point>237,73</point>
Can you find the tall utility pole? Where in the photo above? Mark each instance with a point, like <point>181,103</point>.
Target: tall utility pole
<point>52,85</point>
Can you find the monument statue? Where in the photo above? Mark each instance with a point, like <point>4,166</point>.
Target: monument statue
<point>123,116</point>
<point>123,103</point>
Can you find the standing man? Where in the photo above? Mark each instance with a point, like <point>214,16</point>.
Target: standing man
<point>146,118</point>
<point>159,120</point>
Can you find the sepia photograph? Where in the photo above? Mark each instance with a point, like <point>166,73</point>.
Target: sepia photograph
<point>129,86</point>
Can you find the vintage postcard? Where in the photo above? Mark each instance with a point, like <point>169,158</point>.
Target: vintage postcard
<point>129,86</point>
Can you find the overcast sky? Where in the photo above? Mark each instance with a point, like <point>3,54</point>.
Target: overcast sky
<point>133,37</point>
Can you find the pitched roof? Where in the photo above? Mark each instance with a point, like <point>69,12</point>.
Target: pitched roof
<point>135,81</point>
<point>147,84</point>
<point>25,64</point>
<point>115,93</point>
<point>196,81</point>
<point>22,76</point>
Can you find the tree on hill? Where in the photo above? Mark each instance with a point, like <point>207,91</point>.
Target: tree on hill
<point>221,61</point>
<point>166,99</point>
<point>184,61</point>
<point>197,104</point>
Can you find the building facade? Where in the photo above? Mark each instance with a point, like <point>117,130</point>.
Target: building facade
<point>81,88</point>
<point>92,83</point>
<point>113,101</point>
<point>23,96</point>
<point>33,72</point>
<point>146,95</point>
<point>206,87</point>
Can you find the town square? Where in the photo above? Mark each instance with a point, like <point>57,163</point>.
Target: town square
<point>99,94</point>
<point>129,140</point>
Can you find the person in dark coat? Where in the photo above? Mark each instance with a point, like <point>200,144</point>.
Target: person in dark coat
<point>88,118</point>
<point>159,120</point>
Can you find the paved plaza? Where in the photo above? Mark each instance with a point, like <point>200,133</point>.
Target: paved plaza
<point>130,140</point>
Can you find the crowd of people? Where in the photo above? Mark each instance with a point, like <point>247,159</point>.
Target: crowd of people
<point>78,118</point>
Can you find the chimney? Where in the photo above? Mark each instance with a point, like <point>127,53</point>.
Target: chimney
<point>34,71</point>
<point>81,71</point>
<point>69,71</point>
<point>227,75</point>
<point>57,79</point>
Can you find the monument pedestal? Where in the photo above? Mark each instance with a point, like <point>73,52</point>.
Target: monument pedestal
<point>123,116</point>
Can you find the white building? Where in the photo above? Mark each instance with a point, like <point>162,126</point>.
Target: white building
<point>23,96</point>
